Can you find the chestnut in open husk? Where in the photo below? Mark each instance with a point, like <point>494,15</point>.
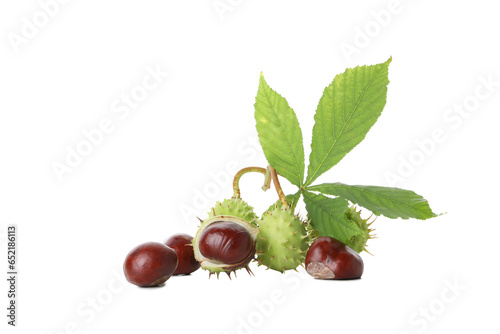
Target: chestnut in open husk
<point>225,244</point>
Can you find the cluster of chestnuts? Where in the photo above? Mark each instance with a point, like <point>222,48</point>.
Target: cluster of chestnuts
<point>232,236</point>
<point>153,263</point>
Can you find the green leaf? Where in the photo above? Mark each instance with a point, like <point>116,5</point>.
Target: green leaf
<point>279,134</point>
<point>291,199</point>
<point>328,216</point>
<point>349,107</point>
<point>389,202</point>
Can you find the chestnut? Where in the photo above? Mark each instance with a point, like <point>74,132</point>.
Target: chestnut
<point>328,258</point>
<point>150,264</point>
<point>226,242</point>
<point>182,245</point>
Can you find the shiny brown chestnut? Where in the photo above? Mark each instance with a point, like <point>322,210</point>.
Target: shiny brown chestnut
<point>227,243</point>
<point>328,258</point>
<point>182,245</point>
<point>150,264</point>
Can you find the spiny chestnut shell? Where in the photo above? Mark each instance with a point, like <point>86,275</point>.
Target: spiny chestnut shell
<point>225,244</point>
<point>283,240</point>
<point>358,242</point>
<point>150,264</point>
<point>182,245</point>
<point>234,207</point>
<point>329,258</point>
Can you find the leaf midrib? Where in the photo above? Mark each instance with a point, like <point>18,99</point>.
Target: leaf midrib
<point>301,177</point>
<point>407,206</point>
<point>310,179</point>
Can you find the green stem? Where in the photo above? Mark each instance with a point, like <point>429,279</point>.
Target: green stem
<point>277,185</point>
<point>267,180</point>
<point>270,174</point>
<point>237,177</point>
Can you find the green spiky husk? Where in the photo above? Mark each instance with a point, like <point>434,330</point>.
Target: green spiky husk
<point>358,242</point>
<point>216,267</point>
<point>283,241</point>
<point>312,233</point>
<point>234,207</point>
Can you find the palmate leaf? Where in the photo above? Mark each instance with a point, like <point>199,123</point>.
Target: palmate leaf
<point>389,202</point>
<point>328,216</point>
<point>279,134</point>
<point>349,107</point>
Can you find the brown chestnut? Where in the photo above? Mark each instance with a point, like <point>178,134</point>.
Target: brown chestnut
<point>328,258</point>
<point>226,242</point>
<point>150,264</point>
<point>182,245</point>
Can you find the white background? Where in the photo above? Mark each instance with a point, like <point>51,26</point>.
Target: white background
<point>152,174</point>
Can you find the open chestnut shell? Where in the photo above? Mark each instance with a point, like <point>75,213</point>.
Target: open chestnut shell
<point>182,245</point>
<point>328,258</point>
<point>150,264</point>
<point>225,244</point>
